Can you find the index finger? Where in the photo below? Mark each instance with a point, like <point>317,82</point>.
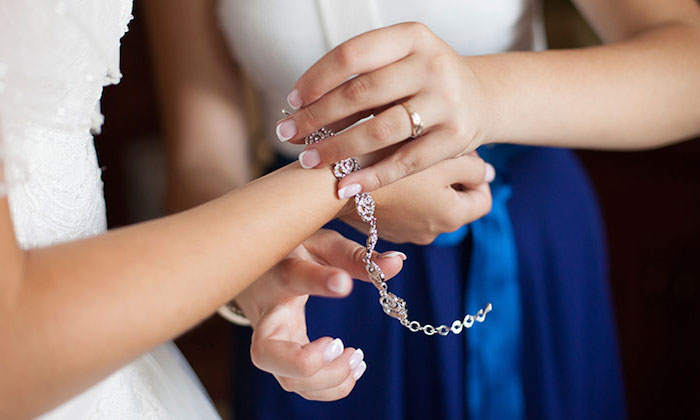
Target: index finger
<point>363,53</point>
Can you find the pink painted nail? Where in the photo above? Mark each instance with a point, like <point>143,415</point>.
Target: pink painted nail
<point>294,99</point>
<point>359,371</point>
<point>286,130</point>
<point>309,158</point>
<point>357,357</point>
<point>338,283</point>
<point>490,174</point>
<point>395,254</point>
<point>333,350</point>
<point>349,191</point>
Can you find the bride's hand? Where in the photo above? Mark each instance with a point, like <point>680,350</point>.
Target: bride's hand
<point>323,265</point>
<point>396,64</point>
<point>439,199</point>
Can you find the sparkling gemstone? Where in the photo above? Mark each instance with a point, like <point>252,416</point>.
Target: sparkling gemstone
<point>345,167</point>
<point>365,206</point>
<point>394,306</point>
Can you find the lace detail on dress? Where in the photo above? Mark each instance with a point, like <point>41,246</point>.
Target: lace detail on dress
<point>56,57</point>
<point>138,393</point>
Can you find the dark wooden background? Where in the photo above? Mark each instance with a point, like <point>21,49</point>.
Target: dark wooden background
<point>651,202</point>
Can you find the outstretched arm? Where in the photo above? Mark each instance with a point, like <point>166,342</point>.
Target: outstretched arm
<point>72,313</point>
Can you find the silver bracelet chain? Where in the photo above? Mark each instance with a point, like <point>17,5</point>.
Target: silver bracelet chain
<point>392,305</point>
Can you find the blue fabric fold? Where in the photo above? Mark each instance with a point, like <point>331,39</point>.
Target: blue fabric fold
<point>569,359</point>
<point>494,373</point>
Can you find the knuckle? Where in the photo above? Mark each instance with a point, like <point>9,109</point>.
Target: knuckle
<point>425,239</point>
<point>344,389</point>
<point>285,278</point>
<point>255,355</point>
<point>381,130</point>
<point>308,87</point>
<point>418,29</point>
<point>310,119</point>
<point>357,89</point>
<point>454,221</point>
<point>346,55</point>
<point>458,129</point>
<point>406,164</point>
<point>358,253</point>
<point>441,65</point>
<point>376,179</point>
<point>306,365</point>
<point>286,384</point>
<point>451,95</point>
<point>307,396</point>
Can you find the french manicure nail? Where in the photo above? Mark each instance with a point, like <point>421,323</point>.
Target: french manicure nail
<point>349,191</point>
<point>359,371</point>
<point>490,174</point>
<point>395,254</point>
<point>286,130</point>
<point>357,357</point>
<point>333,349</point>
<point>294,99</point>
<point>338,283</point>
<point>309,158</point>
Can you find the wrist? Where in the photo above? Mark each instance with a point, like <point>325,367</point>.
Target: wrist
<point>484,113</point>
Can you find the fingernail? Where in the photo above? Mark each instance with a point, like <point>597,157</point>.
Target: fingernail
<point>395,254</point>
<point>333,349</point>
<point>357,357</point>
<point>338,283</point>
<point>349,191</point>
<point>309,158</point>
<point>490,174</point>
<point>286,130</point>
<point>359,371</point>
<point>294,99</point>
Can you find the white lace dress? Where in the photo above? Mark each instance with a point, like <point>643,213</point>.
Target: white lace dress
<point>55,58</point>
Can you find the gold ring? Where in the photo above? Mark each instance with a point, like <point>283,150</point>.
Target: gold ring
<point>416,122</point>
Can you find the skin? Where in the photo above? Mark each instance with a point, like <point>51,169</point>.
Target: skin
<point>275,306</point>
<point>70,314</point>
<point>639,90</point>
<point>201,112</point>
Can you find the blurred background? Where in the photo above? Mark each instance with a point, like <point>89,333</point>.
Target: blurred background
<point>650,200</point>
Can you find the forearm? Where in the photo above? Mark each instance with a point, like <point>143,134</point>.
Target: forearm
<point>638,93</point>
<point>87,307</point>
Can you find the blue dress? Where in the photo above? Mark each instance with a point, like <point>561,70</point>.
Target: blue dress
<point>568,365</point>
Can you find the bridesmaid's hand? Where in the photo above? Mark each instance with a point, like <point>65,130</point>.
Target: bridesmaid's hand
<point>323,265</point>
<point>439,199</point>
<point>404,63</point>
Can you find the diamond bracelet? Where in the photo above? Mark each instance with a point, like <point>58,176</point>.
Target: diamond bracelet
<point>392,305</point>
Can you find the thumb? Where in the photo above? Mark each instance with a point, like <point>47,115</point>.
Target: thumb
<point>347,255</point>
